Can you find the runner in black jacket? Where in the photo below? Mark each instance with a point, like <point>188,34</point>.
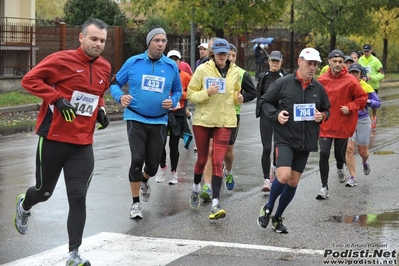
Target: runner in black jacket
<point>296,104</point>
<point>266,130</point>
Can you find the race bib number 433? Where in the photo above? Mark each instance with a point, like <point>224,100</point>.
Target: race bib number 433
<point>304,112</point>
<point>84,103</point>
<point>152,83</point>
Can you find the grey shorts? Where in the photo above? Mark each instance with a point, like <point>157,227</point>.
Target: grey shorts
<point>362,132</point>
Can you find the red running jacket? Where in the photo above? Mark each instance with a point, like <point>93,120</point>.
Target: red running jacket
<point>59,75</point>
<point>342,90</point>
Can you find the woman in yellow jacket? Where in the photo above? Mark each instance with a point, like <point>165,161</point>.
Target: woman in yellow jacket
<point>215,90</point>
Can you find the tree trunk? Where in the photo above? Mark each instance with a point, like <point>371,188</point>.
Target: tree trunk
<point>385,54</point>
<point>219,33</point>
<point>333,42</point>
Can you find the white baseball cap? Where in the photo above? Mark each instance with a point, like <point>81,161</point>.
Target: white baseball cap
<point>204,44</point>
<point>174,53</point>
<point>310,54</point>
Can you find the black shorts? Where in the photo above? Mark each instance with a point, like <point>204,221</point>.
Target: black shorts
<point>296,159</point>
<point>234,132</point>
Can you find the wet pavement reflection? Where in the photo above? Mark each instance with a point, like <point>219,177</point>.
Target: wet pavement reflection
<point>381,226</point>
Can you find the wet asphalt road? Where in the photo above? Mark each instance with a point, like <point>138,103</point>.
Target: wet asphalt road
<point>359,217</point>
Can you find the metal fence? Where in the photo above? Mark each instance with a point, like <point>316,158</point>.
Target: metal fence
<point>25,42</point>
<point>23,45</point>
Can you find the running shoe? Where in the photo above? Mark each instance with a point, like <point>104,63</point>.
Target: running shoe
<point>278,225</point>
<point>160,177</point>
<point>217,213</point>
<point>267,185</point>
<point>351,182</point>
<point>366,168</point>
<point>173,180</point>
<point>323,194</point>
<point>341,175</point>
<point>194,200</point>
<point>135,211</point>
<point>373,122</point>
<point>264,218</point>
<point>229,180</point>
<point>21,217</point>
<point>272,173</point>
<point>74,259</point>
<point>145,191</point>
<point>206,193</point>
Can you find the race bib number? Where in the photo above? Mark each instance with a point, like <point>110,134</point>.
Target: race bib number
<point>220,82</point>
<point>368,69</point>
<point>153,83</point>
<point>304,112</point>
<point>84,103</point>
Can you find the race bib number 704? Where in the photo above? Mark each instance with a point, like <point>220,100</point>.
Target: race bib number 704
<point>304,112</point>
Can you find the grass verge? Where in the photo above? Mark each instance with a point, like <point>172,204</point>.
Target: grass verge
<point>17,98</point>
<point>22,97</point>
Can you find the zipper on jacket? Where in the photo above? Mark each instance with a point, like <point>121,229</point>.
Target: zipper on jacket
<point>303,122</point>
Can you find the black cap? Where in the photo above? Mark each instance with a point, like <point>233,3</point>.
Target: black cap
<point>232,47</point>
<point>348,58</point>
<point>366,47</point>
<point>336,53</point>
<point>355,67</point>
<point>276,55</point>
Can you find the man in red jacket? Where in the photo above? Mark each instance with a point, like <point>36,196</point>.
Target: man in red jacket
<point>346,98</point>
<point>72,85</point>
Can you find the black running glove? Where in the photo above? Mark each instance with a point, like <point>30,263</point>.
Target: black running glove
<point>102,118</point>
<point>66,109</point>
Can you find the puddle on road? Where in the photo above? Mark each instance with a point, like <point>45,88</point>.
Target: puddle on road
<point>383,226</point>
<point>384,152</point>
<point>370,220</point>
<point>27,126</point>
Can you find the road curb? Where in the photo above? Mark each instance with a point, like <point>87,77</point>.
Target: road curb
<point>21,108</point>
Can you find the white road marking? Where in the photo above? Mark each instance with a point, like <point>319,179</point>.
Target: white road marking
<point>120,249</point>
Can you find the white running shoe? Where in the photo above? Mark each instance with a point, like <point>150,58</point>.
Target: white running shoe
<point>323,194</point>
<point>341,175</point>
<point>267,185</point>
<point>173,180</point>
<point>351,182</point>
<point>135,211</point>
<point>160,177</point>
<point>75,259</point>
<point>145,191</point>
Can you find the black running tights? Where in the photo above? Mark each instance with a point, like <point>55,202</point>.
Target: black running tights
<point>77,163</point>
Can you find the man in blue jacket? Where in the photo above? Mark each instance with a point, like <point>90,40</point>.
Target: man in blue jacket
<point>154,88</point>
